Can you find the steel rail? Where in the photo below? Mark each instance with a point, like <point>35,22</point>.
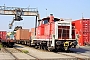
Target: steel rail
<point>11,54</point>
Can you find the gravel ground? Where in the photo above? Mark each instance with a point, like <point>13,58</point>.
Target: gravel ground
<point>41,54</point>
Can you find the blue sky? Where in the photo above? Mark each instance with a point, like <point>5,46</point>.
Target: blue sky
<point>60,8</point>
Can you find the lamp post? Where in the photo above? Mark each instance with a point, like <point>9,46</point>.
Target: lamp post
<point>46,11</point>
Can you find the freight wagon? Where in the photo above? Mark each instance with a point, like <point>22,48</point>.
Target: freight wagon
<point>52,34</point>
<point>5,41</point>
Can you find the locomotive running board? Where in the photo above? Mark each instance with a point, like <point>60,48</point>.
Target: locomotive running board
<point>43,39</point>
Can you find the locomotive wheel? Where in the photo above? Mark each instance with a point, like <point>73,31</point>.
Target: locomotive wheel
<point>45,48</point>
<point>36,46</point>
<point>29,43</point>
<point>49,49</point>
<point>40,47</point>
<point>26,43</point>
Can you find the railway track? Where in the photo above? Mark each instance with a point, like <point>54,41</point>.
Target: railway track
<point>11,51</point>
<point>70,53</point>
<point>28,54</point>
<point>67,54</point>
<point>75,55</point>
<point>16,50</point>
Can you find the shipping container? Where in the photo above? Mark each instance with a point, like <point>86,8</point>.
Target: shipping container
<point>22,34</point>
<point>30,34</point>
<point>82,29</point>
<point>32,31</point>
<point>3,35</point>
<point>73,30</point>
<point>12,37</point>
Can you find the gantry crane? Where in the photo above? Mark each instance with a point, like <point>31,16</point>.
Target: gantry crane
<point>18,12</point>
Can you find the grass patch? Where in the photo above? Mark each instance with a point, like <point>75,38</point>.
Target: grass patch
<point>1,46</point>
<point>25,51</point>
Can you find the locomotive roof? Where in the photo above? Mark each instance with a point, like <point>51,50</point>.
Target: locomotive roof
<point>49,18</point>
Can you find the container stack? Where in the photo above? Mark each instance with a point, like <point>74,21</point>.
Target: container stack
<point>3,35</point>
<point>82,28</point>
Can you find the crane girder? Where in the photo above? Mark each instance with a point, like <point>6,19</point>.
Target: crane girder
<point>11,11</point>
<point>24,13</point>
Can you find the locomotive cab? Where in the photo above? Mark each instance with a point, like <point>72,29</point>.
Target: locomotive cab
<point>50,19</point>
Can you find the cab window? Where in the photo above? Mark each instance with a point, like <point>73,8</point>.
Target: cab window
<point>45,21</point>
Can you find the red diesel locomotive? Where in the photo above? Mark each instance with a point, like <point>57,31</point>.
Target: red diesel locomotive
<point>54,34</point>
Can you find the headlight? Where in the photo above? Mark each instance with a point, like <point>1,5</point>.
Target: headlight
<point>66,43</point>
<point>75,42</point>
